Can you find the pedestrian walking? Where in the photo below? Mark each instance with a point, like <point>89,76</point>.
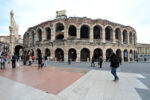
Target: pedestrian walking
<point>100,61</point>
<point>114,64</point>
<point>40,63</point>
<point>13,62</point>
<point>45,60</point>
<point>30,60</point>
<point>93,62</point>
<point>2,62</point>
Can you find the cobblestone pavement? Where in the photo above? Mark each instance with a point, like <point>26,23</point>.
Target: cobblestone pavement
<point>75,81</point>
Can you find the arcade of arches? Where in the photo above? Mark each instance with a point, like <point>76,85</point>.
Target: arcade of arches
<point>80,39</point>
<point>85,54</point>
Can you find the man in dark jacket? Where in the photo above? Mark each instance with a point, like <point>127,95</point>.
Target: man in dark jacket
<point>40,61</point>
<point>114,64</point>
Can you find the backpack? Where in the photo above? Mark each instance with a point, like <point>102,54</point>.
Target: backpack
<point>115,62</point>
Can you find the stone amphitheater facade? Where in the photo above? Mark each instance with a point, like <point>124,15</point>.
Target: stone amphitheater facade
<point>79,39</point>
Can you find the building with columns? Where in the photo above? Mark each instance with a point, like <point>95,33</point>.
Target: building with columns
<point>80,38</point>
<point>143,51</point>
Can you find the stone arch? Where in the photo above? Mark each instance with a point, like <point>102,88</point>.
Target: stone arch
<point>130,37</point>
<point>125,55</point>
<point>32,52</point>
<point>48,33</point>
<point>131,55</point>
<point>108,33</point>
<point>32,34</point>
<point>85,54</point>
<point>72,31</point>
<point>118,53</point>
<point>59,30</point>
<point>97,32</point>
<point>59,54</point>
<point>109,51</point>
<point>118,34</point>
<point>18,50</point>
<point>38,52</point>
<point>39,34</point>
<point>47,52</point>
<point>85,32</point>
<point>97,53</point>
<point>125,37</point>
<point>72,54</point>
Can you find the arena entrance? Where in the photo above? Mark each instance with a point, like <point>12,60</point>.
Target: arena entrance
<point>118,52</point>
<point>72,54</point>
<point>125,55</point>
<point>97,53</point>
<point>47,52</point>
<point>39,53</point>
<point>108,54</point>
<point>85,54</point>
<point>18,50</point>
<point>59,54</point>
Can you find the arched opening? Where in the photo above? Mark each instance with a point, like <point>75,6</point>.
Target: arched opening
<point>39,53</point>
<point>59,31</point>
<point>131,55</point>
<point>32,52</point>
<point>118,52</point>
<point>108,54</point>
<point>125,37</point>
<point>125,55</point>
<point>72,54</point>
<point>108,33</point>
<point>130,37</point>
<point>18,50</point>
<point>39,34</point>
<point>72,31</point>
<point>85,54</point>
<point>32,37</point>
<point>48,33</point>
<point>97,32</point>
<point>97,53</point>
<point>59,54</point>
<point>84,32</point>
<point>47,52</point>
<point>118,34</point>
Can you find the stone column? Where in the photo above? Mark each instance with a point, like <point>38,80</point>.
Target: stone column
<point>78,56</point>
<point>128,55</point>
<point>103,35</point>
<point>113,37</point>
<point>66,55</point>
<point>53,33</point>
<point>128,39</point>
<point>122,55</point>
<point>91,53</point>
<point>78,33</point>
<point>104,54</point>
<point>91,34</point>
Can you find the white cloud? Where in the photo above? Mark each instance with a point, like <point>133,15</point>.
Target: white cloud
<point>127,12</point>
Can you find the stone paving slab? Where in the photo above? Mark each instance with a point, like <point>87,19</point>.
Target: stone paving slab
<point>91,85</point>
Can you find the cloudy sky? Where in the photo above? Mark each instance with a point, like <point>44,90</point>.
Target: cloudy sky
<point>135,13</point>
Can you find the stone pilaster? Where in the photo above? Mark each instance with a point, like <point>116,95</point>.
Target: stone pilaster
<point>121,36</point>
<point>103,35</point>
<point>91,34</point>
<point>113,37</point>
<point>66,33</point>
<point>78,33</point>
<point>78,56</point>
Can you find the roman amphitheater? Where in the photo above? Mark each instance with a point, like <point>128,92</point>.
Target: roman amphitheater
<point>79,39</point>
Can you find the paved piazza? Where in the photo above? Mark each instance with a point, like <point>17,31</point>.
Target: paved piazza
<point>77,81</point>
